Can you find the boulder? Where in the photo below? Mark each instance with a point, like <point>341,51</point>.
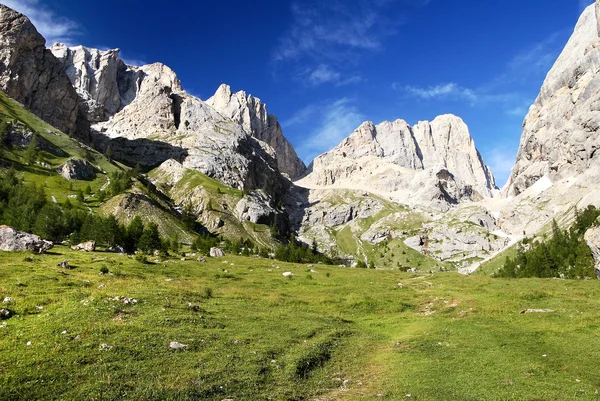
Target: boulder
<point>89,246</point>
<point>592,238</point>
<point>76,169</point>
<point>12,240</point>
<point>64,264</point>
<point>216,253</point>
<point>177,345</point>
<point>5,314</point>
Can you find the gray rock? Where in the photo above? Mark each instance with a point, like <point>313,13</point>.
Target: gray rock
<point>64,264</point>
<point>592,238</point>
<point>560,132</point>
<point>5,314</point>
<point>524,311</point>
<point>95,74</point>
<point>432,163</point>
<point>216,253</point>
<point>177,345</point>
<point>31,74</point>
<point>256,208</point>
<point>76,169</point>
<point>251,114</point>
<point>89,246</point>
<point>12,240</point>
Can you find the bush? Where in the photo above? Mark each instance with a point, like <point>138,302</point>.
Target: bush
<point>143,259</point>
<point>103,269</point>
<point>207,293</point>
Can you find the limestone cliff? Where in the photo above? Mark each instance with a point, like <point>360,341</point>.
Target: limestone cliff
<point>30,74</point>
<point>251,114</point>
<point>433,163</point>
<point>560,132</point>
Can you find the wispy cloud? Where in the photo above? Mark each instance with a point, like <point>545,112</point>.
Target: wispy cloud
<point>325,74</point>
<point>531,63</point>
<point>52,27</point>
<point>448,90</point>
<point>330,29</point>
<point>534,61</point>
<point>335,121</point>
<point>326,39</point>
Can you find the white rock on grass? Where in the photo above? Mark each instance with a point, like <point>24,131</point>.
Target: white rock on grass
<point>177,345</point>
<point>288,274</point>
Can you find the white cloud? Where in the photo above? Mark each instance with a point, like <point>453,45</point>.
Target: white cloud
<point>52,27</point>
<point>335,121</point>
<point>448,90</point>
<point>323,74</point>
<point>512,103</point>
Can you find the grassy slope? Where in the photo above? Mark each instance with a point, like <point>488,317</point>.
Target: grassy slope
<point>54,184</point>
<point>262,336</point>
<point>216,194</point>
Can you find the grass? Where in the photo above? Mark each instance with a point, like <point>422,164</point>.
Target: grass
<point>253,334</point>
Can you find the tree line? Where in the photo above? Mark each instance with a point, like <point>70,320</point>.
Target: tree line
<point>565,254</point>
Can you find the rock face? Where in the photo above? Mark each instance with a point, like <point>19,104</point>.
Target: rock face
<point>76,169</point>
<point>435,163</point>
<point>146,117</point>
<point>592,238</point>
<point>30,74</point>
<point>249,112</point>
<point>560,132</point>
<point>12,240</point>
<point>101,78</point>
<point>256,208</point>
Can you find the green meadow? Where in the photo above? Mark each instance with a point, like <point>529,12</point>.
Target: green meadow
<point>326,333</point>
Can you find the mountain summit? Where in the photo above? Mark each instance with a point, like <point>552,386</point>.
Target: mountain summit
<point>432,163</point>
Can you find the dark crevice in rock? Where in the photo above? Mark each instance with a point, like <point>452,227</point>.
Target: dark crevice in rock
<point>176,108</point>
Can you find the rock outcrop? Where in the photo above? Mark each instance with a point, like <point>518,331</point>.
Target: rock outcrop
<point>249,112</point>
<point>162,112</point>
<point>101,78</point>
<point>12,240</point>
<point>256,208</point>
<point>77,169</point>
<point>30,74</point>
<point>433,163</point>
<point>592,238</point>
<point>560,133</point>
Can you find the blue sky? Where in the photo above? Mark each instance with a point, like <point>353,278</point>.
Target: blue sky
<point>325,66</point>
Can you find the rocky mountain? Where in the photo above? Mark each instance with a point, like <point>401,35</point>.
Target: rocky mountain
<point>560,133</point>
<point>100,78</point>
<point>30,74</point>
<point>249,112</point>
<point>148,102</point>
<point>432,163</point>
<point>557,165</point>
